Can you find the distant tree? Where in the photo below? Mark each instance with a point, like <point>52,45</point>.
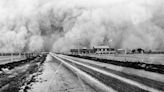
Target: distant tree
<point>139,50</point>
<point>133,50</point>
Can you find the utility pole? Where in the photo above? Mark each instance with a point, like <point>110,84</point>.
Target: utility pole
<point>109,42</point>
<point>79,46</point>
<point>125,55</point>
<point>142,56</point>
<point>19,55</point>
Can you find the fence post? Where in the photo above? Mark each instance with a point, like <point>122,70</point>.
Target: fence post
<point>11,57</point>
<point>125,55</point>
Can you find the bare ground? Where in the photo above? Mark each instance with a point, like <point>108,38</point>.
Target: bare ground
<point>18,76</point>
<point>57,78</point>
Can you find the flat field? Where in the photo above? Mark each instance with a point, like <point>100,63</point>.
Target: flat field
<point>147,58</point>
<point>7,59</point>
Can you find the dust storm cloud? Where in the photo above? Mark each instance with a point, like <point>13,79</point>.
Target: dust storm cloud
<point>58,25</point>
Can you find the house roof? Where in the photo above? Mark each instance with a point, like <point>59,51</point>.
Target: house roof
<point>100,47</point>
<point>120,49</point>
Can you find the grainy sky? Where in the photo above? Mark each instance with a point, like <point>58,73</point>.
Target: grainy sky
<point>59,25</point>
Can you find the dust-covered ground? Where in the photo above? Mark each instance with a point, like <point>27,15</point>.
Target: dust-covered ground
<point>40,74</point>
<point>57,78</point>
<point>18,76</point>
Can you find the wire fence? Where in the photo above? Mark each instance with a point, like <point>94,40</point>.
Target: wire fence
<point>8,59</point>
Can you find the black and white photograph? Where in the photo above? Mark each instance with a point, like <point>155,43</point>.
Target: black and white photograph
<point>81,45</point>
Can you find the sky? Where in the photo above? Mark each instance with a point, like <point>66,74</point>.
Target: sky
<point>60,25</point>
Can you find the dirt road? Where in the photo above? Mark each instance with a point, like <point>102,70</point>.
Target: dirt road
<point>57,78</point>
